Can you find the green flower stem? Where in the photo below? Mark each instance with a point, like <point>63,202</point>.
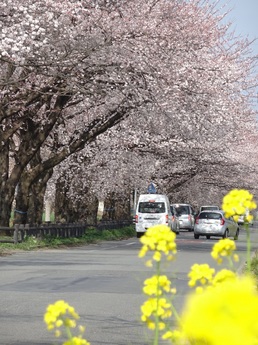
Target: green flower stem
<point>156,337</point>
<point>230,263</point>
<point>175,313</point>
<point>248,248</point>
<point>68,332</point>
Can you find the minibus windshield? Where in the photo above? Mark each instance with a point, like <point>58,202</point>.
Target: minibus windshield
<point>151,207</point>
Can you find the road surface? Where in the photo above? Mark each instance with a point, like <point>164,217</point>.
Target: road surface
<point>102,281</point>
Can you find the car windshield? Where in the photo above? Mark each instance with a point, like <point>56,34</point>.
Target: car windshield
<point>210,215</point>
<point>208,208</point>
<point>151,207</point>
<point>182,209</point>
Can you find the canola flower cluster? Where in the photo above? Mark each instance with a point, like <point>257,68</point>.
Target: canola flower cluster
<point>154,311</point>
<point>159,240</point>
<point>203,276</point>
<point>200,273</point>
<point>157,285</point>
<point>61,314</point>
<point>239,202</point>
<point>155,307</point>
<point>224,249</point>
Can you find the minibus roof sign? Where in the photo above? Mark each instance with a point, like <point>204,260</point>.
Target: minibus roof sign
<point>152,188</point>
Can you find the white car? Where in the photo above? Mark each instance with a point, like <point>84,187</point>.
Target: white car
<point>186,216</point>
<point>214,223</point>
<point>175,220</point>
<point>152,209</point>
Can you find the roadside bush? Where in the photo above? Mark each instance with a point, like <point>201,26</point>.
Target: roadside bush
<point>91,235</point>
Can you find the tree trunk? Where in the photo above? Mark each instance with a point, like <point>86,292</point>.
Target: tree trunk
<point>36,204</point>
<point>89,211</point>
<point>36,198</point>
<point>117,207</point>
<point>30,194</point>
<point>123,206</point>
<point>22,201</point>
<point>109,207</point>
<point>70,211</point>
<point>60,202</point>
<point>6,190</point>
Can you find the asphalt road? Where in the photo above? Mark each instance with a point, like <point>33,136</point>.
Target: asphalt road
<point>103,282</point>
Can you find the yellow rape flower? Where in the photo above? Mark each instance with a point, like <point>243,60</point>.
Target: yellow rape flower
<point>62,314</point>
<point>76,341</point>
<point>59,323</point>
<point>249,218</point>
<point>223,275</point>
<point>55,314</point>
<point>148,263</point>
<point>156,285</point>
<point>157,256</point>
<point>174,336</point>
<point>223,314</point>
<point>69,323</point>
<point>224,248</point>
<point>155,307</point>
<point>57,333</point>
<point>152,325</point>
<point>200,273</point>
<point>160,240</point>
<point>238,202</point>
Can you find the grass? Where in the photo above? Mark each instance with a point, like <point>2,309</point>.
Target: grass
<point>91,236</point>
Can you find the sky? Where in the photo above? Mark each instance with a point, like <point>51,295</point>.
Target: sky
<point>244,18</point>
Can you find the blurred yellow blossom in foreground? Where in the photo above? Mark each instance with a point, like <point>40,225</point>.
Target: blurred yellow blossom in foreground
<point>223,314</point>
<point>238,202</point>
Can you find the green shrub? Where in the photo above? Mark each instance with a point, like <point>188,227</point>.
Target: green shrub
<point>92,235</point>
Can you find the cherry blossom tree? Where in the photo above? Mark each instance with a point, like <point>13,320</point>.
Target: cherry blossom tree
<point>196,175</point>
<point>63,72</point>
<point>72,70</point>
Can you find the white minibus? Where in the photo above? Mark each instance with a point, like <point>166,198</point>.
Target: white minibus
<point>152,209</point>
